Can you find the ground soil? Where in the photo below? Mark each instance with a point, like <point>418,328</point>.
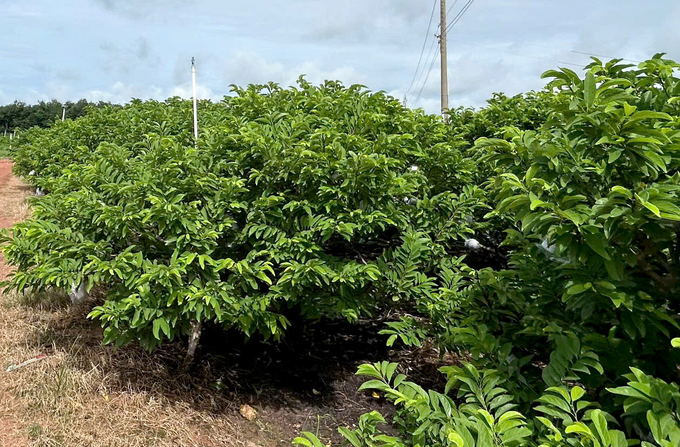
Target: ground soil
<point>12,197</point>
<point>86,394</point>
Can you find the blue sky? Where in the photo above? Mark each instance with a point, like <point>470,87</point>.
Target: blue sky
<point>118,49</point>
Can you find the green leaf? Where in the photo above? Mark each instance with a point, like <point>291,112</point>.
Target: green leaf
<point>624,191</point>
<point>456,439</point>
<point>601,427</point>
<point>580,428</point>
<point>653,208</point>
<point>589,89</point>
<point>628,109</point>
<point>157,327</point>
<point>350,436</point>
<point>596,243</point>
<point>578,288</point>
<point>614,155</point>
<point>576,393</point>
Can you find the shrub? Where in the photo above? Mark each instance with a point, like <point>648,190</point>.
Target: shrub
<point>320,201</point>
<point>483,414</point>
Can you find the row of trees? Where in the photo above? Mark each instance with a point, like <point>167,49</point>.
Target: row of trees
<point>19,115</point>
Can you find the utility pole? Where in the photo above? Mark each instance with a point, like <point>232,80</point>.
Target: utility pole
<point>444,68</point>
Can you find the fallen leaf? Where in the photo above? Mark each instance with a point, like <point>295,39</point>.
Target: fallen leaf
<point>248,412</point>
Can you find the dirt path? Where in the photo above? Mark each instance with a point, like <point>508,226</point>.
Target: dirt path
<point>13,208</point>
<point>11,194</point>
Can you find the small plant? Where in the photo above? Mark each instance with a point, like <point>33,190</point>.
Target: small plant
<point>483,414</point>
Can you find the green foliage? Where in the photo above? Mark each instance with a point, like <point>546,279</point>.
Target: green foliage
<point>525,112</point>
<point>483,414</point>
<point>19,115</point>
<point>5,145</point>
<point>324,201</point>
<point>589,204</point>
<point>540,236</point>
<point>590,201</point>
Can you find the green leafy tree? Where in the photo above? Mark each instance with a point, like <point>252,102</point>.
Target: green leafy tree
<point>300,201</point>
<point>590,204</point>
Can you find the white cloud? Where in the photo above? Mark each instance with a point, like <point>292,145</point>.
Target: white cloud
<point>122,93</point>
<point>20,9</point>
<point>142,10</point>
<point>358,20</point>
<point>124,58</point>
<point>117,49</point>
<point>185,91</point>
<point>251,68</point>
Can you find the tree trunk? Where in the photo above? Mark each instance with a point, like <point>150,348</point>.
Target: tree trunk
<point>196,327</point>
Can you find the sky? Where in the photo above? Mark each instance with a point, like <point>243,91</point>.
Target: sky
<point>115,50</point>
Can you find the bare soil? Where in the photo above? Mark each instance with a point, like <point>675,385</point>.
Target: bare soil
<point>12,200</point>
<point>86,394</point>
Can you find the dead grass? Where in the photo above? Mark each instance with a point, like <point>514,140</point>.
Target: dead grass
<point>85,394</point>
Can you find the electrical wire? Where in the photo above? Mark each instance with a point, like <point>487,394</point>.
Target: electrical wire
<point>434,59</point>
<point>460,14</point>
<point>606,57</point>
<point>451,7</point>
<point>581,52</point>
<point>505,51</point>
<point>422,51</point>
<point>430,54</point>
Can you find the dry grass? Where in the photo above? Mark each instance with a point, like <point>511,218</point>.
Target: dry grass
<point>85,394</point>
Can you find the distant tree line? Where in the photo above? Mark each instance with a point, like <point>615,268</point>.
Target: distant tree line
<point>19,115</point>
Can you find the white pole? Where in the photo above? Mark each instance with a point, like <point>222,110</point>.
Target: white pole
<point>63,114</point>
<point>193,82</point>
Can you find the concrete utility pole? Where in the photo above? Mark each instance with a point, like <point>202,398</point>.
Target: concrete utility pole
<point>444,67</point>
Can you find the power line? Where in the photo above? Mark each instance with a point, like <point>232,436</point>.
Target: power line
<point>422,51</point>
<point>451,7</point>
<point>460,14</point>
<point>606,57</point>
<point>581,52</point>
<point>505,51</point>
<point>434,59</point>
<point>430,52</point>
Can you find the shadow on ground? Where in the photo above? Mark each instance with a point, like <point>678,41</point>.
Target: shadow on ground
<point>305,382</point>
